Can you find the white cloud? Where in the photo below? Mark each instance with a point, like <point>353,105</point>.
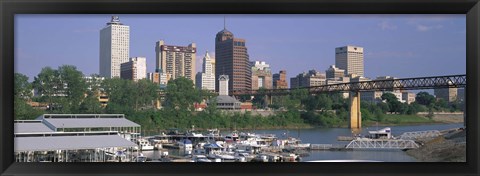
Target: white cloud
<point>385,25</point>
<point>425,28</point>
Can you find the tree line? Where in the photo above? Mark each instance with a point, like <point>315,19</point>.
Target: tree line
<point>65,90</point>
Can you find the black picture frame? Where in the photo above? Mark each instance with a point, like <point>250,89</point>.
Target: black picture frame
<point>8,9</point>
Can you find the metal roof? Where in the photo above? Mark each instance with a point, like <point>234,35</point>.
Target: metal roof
<point>70,142</point>
<point>89,122</point>
<point>31,127</point>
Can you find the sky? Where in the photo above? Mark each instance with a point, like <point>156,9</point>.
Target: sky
<point>402,46</point>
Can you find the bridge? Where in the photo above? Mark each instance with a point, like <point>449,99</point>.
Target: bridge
<point>382,144</point>
<point>433,82</point>
<point>415,135</point>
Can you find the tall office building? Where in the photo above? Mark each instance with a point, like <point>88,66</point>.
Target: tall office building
<point>114,47</point>
<point>261,75</point>
<point>232,59</point>
<point>350,59</point>
<point>280,80</point>
<point>206,78</point>
<point>177,61</point>
<point>135,69</point>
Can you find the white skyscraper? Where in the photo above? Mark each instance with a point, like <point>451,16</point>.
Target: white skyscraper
<point>114,47</point>
<point>350,59</point>
<point>206,79</point>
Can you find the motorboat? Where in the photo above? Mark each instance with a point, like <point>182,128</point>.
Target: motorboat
<point>200,158</point>
<point>144,144</point>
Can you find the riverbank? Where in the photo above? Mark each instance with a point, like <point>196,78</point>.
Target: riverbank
<point>389,120</point>
<point>450,147</point>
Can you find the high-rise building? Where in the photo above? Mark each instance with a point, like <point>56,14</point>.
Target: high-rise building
<point>261,75</point>
<point>280,80</point>
<point>232,59</point>
<point>334,72</point>
<point>312,78</point>
<point>178,61</point>
<point>114,47</point>
<point>350,59</point>
<point>206,78</point>
<point>135,69</point>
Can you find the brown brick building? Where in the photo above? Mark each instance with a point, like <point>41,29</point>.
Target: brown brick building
<point>280,80</point>
<point>232,59</point>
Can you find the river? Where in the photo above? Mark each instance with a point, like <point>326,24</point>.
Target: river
<point>329,136</point>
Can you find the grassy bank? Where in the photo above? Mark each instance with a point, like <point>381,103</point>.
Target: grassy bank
<point>398,119</point>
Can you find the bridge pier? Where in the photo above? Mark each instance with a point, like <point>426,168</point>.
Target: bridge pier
<point>355,113</point>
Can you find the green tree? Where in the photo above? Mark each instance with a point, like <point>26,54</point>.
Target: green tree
<point>424,98</point>
<point>47,84</point>
<point>181,94</point>
<point>22,94</point>
<point>74,89</point>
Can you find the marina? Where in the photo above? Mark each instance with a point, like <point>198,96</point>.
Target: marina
<point>81,138</point>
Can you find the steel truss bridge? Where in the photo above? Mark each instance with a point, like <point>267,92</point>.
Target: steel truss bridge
<point>434,82</point>
<point>382,144</point>
<point>415,135</point>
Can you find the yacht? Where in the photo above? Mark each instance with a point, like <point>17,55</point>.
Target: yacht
<point>144,144</point>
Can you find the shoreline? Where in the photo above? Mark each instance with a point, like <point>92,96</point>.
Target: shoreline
<point>368,124</point>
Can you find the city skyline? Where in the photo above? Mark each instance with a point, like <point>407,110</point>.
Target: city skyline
<point>395,45</point>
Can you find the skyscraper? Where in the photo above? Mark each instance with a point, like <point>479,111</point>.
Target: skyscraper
<point>206,78</point>
<point>350,59</point>
<point>177,61</point>
<point>114,47</point>
<point>232,59</point>
<point>135,69</point>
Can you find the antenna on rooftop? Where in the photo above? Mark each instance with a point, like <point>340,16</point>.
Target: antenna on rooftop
<point>224,23</point>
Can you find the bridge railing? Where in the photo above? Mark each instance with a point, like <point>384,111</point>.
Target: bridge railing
<point>434,82</point>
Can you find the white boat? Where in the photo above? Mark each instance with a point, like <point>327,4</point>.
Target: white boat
<point>200,158</point>
<point>144,144</point>
<point>232,137</point>
<point>185,144</point>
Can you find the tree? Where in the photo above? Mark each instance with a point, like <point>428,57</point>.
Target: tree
<point>181,94</point>
<point>47,83</point>
<point>22,93</point>
<point>424,98</point>
<point>74,87</point>
<point>22,88</point>
<point>393,104</point>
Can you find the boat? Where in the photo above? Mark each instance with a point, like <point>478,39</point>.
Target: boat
<point>232,137</point>
<point>384,133</point>
<point>200,158</point>
<point>185,144</point>
<point>144,144</point>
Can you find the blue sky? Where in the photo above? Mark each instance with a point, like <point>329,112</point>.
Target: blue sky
<point>394,45</point>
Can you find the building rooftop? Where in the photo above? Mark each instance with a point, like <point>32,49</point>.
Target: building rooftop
<point>30,126</point>
<point>70,142</point>
<point>86,120</point>
<point>226,99</point>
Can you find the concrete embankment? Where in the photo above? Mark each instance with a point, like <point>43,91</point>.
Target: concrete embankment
<point>449,147</point>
